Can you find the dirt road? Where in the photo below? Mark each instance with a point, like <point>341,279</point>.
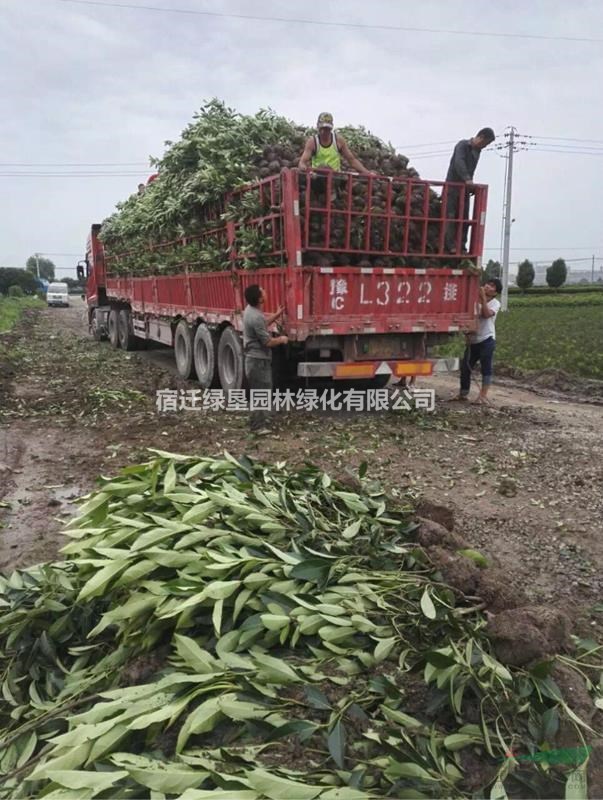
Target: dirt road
<point>522,481</point>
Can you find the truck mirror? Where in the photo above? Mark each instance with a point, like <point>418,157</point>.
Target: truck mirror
<point>80,273</point>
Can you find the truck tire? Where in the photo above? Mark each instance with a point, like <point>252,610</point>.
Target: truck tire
<point>183,350</point>
<point>231,364</point>
<point>113,325</point>
<point>125,331</point>
<point>205,357</point>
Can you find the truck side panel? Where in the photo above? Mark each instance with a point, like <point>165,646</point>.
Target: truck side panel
<point>340,299</point>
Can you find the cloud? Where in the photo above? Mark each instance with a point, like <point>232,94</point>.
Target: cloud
<point>90,84</point>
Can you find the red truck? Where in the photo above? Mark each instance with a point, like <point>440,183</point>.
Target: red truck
<point>351,312</point>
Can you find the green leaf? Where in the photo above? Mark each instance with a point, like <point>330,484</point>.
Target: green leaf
<point>315,570</point>
<point>316,699</point>
<point>274,670</point>
<point>384,648</point>
<point>407,769</point>
<point>277,788</point>
<point>362,469</point>
<point>194,656</point>
<point>216,617</point>
<point>300,727</point>
<point>236,709</point>
<point>336,741</point>
<point>456,741</point>
<point>542,669</point>
<point>26,748</point>
<point>352,530</point>
<point>274,622</point>
<point>161,776</point>
<point>169,481</point>
<point>439,660</point>
<point>475,556</point>
<point>395,715</point>
<point>219,794</point>
<point>427,606</point>
<point>345,793</point>
<point>98,582</point>
<point>496,667</point>
<point>550,724</point>
<point>204,718</point>
<point>76,779</point>
<point>497,792</point>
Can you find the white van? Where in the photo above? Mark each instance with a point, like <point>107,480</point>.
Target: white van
<point>57,294</point>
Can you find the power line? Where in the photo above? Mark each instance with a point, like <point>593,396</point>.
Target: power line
<point>567,139</point>
<point>564,146</point>
<point>327,23</point>
<point>566,152</point>
<point>428,144</point>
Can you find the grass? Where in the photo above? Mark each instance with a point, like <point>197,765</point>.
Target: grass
<point>11,309</point>
<point>554,332</point>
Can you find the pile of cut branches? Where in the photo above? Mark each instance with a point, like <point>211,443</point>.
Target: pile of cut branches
<point>224,629</point>
<point>222,150</point>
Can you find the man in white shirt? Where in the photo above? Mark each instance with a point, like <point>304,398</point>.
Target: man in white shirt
<point>482,343</point>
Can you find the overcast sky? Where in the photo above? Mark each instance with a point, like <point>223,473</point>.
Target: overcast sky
<point>88,84</point>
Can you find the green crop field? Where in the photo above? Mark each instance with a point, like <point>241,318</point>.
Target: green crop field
<point>549,331</point>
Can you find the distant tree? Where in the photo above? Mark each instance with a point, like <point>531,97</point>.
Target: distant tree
<point>525,274</point>
<point>493,270</point>
<point>72,283</point>
<point>15,291</point>
<point>556,274</point>
<point>46,267</point>
<point>10,276</point>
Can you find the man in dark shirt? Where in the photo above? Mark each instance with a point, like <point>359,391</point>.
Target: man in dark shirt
<point>257,346</point>
<point>461,170</point>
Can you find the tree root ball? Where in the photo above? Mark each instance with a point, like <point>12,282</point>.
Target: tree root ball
<point>459,572</point>
<point>531,633</point>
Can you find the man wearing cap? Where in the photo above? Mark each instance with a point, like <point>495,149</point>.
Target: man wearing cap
<point>325,149</point>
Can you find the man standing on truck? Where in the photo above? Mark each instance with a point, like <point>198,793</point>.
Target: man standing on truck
<point>325,149</point>
<point>481,345</point>
<point>461,170</point>
<point>257,346</point>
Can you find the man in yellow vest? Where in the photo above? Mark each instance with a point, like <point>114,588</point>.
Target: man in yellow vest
<point>325,149</point>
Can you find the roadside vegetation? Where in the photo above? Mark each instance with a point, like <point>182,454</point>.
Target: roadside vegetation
<point>549,330</point>
<point>11,309</point>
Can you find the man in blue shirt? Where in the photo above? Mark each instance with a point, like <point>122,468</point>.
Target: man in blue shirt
<point>461,170</point>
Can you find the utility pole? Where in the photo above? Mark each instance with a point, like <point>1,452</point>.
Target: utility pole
<point>507,229</point>
<point>37,255</point>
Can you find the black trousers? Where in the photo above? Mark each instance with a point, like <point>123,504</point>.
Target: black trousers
<point>453,212</point>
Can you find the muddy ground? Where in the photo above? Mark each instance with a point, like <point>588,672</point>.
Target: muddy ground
<point>522,481</point>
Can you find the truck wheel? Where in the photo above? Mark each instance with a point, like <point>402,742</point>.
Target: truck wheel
<point>205,352</point>
<point>125,331</point>
<point>231,367</point>
<point>183,350</point>
<point>113,326</point>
